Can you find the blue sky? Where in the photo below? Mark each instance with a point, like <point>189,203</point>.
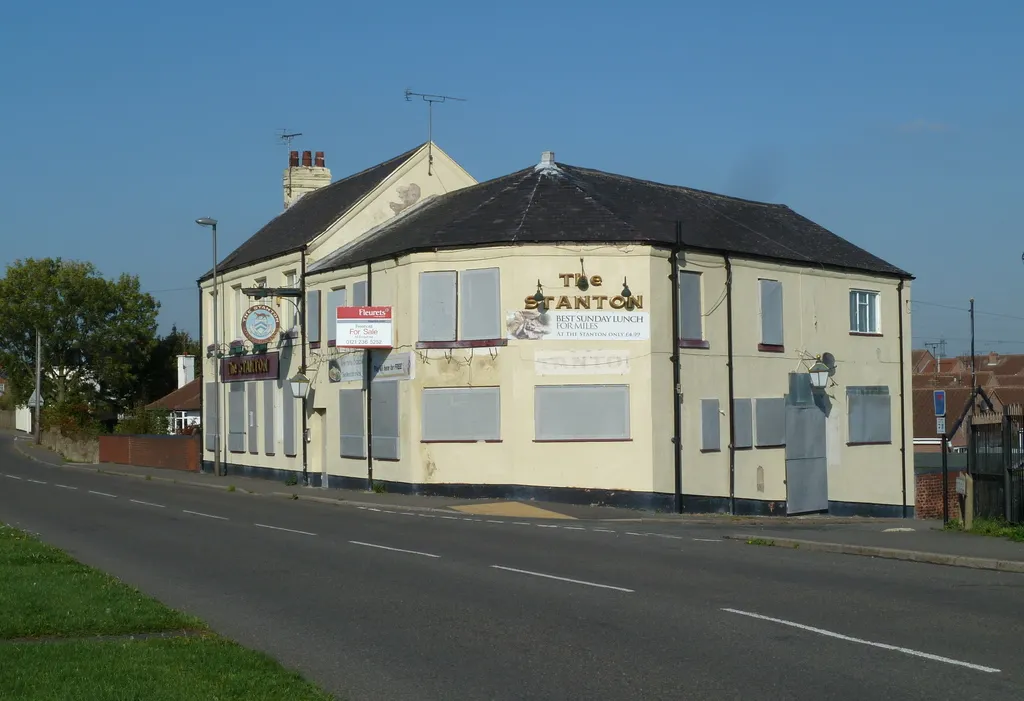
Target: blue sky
<point>895,124</point>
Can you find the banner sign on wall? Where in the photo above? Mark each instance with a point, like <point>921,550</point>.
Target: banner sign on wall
<point>250,367</point>
<point>364,327</point>
<point>386,366</point>
<point>531,325</point>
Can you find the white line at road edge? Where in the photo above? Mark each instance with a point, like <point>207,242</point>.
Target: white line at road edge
<point>563,579</point>
<point>278,528</point>
<point>884,646</point>
<point>14,477</point>
<point>103,494</point>
<point>396,550</point>
<point>147,503</point>
<point>36,481</point>
<point>708,540</point>
<point>198,513</point>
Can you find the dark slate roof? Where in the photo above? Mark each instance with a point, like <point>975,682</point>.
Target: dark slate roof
<point>309,217</point>
<point>570,204</point>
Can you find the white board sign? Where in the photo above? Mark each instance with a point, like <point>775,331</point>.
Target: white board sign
<point>387,365</point>
<point>364,327</point>
<point>581,362</point>
<point>590,325</point>
<point>940,425</point>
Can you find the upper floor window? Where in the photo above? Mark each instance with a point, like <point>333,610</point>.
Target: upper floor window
<point>237,310</point>
<point>460,309</point>
<point>864,312</point>
<point>691,317</point>
<point>771,316</point>
<point>290,321</point>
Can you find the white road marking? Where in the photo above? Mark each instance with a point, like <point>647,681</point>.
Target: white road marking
<point>602,530</point>
<point>563,579</point>
<point>884,646</point>
<point>574,528</point>
<point>406,513</point>
<point>639,534</point>
<point>709,540</point>
<point>14,477</point>
<point>385,511</point>
<point>546,525</point>
<point>199,513</point>
<point>372,509</point>
<point>64,486</point>
<point>450,518</point>
<point>397,550</point>
<point>426,515</point>
<point>898,530</point>
<point>146,503</point>
<point>103,494</point>
<point>491,520</point>
<point>521,523</point>
<point>35,481</point>
<point>665,535</point>
<point>278,528</point>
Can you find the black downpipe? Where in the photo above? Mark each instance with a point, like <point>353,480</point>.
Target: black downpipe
<point>367,373</point>
<point>903,408</point>
<point>677,409</point>
<point>732,418</point>
<point>301,310</point>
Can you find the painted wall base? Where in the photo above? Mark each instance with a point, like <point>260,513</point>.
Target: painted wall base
<point>643,501</point>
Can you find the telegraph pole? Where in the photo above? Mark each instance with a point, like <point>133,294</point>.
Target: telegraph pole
<point>39,383</point>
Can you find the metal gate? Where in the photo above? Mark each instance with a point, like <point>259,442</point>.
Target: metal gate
<point>806,463</point>
<point>997,464</point>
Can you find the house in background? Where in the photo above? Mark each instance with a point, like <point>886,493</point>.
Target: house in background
<point>183,404</point>
<point>319,218</point>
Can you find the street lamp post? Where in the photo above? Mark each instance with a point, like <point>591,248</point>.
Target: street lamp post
<point>212,223</point>
<point>300,390</point>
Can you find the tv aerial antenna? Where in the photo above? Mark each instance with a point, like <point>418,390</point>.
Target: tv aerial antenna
<point>286,137</point>
<point>430,100</point>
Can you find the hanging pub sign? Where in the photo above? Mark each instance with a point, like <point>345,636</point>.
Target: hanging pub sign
<point>364,327</point>
<point>243,368</point>
<point>260,324</point>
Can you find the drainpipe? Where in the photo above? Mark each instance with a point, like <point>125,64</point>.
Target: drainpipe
<point>730,363</point>
<point>368,361</point>
<point>903,409</point>
<point>677,409</point>
<point>301,309</point>
<point>201,362</point>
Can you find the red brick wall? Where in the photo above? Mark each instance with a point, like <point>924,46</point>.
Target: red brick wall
<point>172,452</point>
<point>928,495</point>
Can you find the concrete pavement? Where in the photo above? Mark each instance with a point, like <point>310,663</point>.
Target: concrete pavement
<point>396,604</point>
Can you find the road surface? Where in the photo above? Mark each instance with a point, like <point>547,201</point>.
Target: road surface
<point>389,604</point>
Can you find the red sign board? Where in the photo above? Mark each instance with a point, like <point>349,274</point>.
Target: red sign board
<point>364,327</point>
<point>250,367</point>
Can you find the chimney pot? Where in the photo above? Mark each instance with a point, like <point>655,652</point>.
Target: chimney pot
<point>307,159</point>
<point>993,358</point>
<point>547,158</point>
<point>293,159</point>
<point>319,159</point>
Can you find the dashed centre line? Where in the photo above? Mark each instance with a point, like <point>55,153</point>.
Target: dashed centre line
<point>146,503</point>
<point>103,494</point>
<point>396,550</point>
<point>35,481</point>
<point>199,513</point>
<point>279,528</point>
<point>14,477</point>
<point>563,579</point>
<point>65,486</point>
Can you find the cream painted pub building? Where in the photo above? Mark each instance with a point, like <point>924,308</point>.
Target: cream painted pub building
<point>543,345</point>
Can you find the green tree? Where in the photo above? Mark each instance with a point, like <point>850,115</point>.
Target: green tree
<point>162,368</point>
<point>97,333</point>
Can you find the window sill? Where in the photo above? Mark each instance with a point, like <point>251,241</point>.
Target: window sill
<point>386,459</point>
<point>710,450</point>
<point>693,343</point>
<point>584,440</point>
<point>332,344</point>
<point>270,455</point>
<point>854,445</point>
<point>872,334</point>
<point>468,440</point>
<point>770,447</point>
<point>314,345</point>
<point>770,348</point>
<point>481,343</point>
<point>353,457</point>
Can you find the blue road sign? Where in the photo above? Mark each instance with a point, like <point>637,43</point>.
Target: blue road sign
<point>939,397</point>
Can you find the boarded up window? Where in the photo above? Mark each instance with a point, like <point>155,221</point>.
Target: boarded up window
<point>269,412</point>
<point>581,412</point>
<point>313,316</point>
<point>771,313</point>
<point>770,415</point>
<point>212,420</point>
<point>236,417</point>
<point>743,419</point>
<point>353,423</point>
<point>480,300</point>
<point>437,306</point>
<point>870,414</point>
<point>335,299</point>
<point>288,421</point>
<point>385,418</point>
<point>691,325</point>
<point>461,414</point>
<point>251,417</point>
<point>359,294</point>
<point>710,426</point>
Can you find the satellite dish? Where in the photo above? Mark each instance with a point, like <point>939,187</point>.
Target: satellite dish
<point>830,361</point>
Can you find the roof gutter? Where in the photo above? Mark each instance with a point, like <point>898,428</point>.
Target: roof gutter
<point>730,363</point>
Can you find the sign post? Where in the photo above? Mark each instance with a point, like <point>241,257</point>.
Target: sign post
<point>939,400</point>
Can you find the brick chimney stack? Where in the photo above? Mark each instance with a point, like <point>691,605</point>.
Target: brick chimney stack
<point>300,180</point>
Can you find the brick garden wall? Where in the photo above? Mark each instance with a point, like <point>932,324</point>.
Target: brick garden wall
<point>171,452</point>
<point>928,495</point>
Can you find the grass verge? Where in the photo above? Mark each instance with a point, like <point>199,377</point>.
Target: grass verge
<point>44,592</point>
